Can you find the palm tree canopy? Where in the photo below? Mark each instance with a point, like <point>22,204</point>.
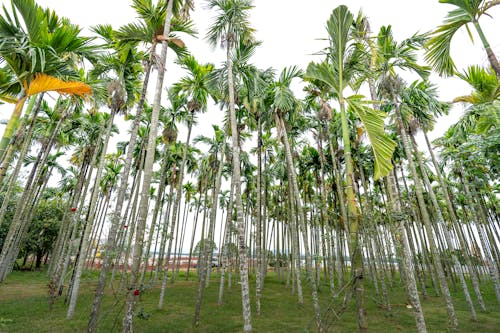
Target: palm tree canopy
<point>345,62</point>
<point>195,84</point>
<point>41,43</point>
<point>439,45</point>
<point>232,22</point>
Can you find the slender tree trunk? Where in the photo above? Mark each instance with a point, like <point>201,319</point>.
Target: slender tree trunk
<point>115,217</point>
<point>148,173</point>
<point>427,223</point>
<point>90,220</point>
<point>451,211</point>
<point>294,243</point>
<point>213,213</point>
<point>227,241</point>
<point>258,237</point>
<point>446,231</point>
<point>26,143</point>
<point>198,204</point>
<point>404,250</point>
<point>492,267</point>
<point>156,213</point>
<point>12,126</point>
<point>301,224</point>
<point>489,52</point>
<point>242,248</point>
<point>20,221</point>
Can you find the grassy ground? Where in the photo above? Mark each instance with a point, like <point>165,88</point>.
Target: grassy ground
<point>24,308</point>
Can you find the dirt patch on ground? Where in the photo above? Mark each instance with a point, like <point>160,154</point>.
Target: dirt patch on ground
<point>21,290</point>
<point>12,290</point>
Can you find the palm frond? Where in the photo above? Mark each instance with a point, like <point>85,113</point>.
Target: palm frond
<point>373,121</point>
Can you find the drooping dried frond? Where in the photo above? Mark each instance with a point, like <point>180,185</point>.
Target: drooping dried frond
<point>43,83</point>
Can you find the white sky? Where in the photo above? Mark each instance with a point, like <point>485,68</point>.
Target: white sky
<point>289,30</point>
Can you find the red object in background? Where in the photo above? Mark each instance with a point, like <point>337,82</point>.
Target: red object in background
<point>136,292</point>
<point>125,226</point>
<point>73,209</point>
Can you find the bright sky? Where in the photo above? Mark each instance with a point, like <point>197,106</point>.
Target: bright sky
<point>291,31</point>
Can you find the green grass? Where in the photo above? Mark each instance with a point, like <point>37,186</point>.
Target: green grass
<point>24,308</point>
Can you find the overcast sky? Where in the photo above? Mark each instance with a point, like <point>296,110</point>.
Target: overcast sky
<point>291,32</point>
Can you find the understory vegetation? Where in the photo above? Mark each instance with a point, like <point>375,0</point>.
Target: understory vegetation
<point>280,311</point>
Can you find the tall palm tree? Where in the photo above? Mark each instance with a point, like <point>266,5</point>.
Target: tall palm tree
<point>391,87</point>
<point>254,102</point>
<point>338,71</point>
<point>231,25</point>
<point>196,88</point>
<point>195,91</point>
<point>148,169</point>
<point>465,13</point>
<point>149,30</point>
<point>16,233</point>
<point>118,74</point>
<point>284,103</point>
<point>216,161</point>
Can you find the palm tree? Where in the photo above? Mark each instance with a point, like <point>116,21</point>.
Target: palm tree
<point>439,45</point>
<point>148,172</point>
<point>339,70</point>
<point>195,87</point>
<point>230,26</point>
<point>148,31</point>
<point>120,73</point>
<point>284,104</point>
<point>391,87</point>
<point>195,91</point>
<point>21,220</point>
<point>217,146</point>
<point>476,128</point>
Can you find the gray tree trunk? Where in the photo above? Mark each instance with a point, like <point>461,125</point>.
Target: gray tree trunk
<point>115,217</point>
<point>242,248</point>
<point>90,220</point>
<point>227,239</point>
<point>427,223</point>
<point>148,173</point>
<point>20,221</point>
<point>302,225</point>
<point>446,232</point>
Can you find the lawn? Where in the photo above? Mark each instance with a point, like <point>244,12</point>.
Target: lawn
<point>24,307</point>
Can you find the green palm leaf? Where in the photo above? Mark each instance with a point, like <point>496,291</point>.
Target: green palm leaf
<point>373,121</point>
<point>439,46</point>
<point>322,72</point>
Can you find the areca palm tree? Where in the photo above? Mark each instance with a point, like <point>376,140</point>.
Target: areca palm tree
<point>403,56</point>
<point>21,218</point>
<point>257,82</point>
<point>216,158</point>
<point>195,91</point>
<point>120,74</point>
<point>476,129</point>
<point>340,69</point>
<point>230,25</point>
<point>421,100</point>
<point>284,104</point>
<point>148,31</point>
<point>466,12</point>
<point>148,166</point>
